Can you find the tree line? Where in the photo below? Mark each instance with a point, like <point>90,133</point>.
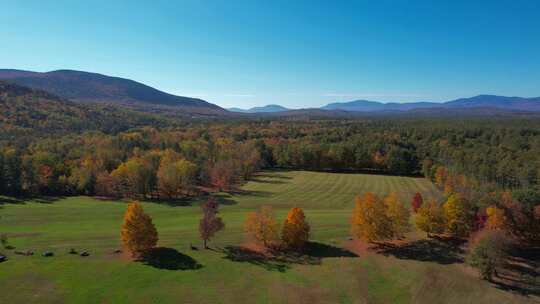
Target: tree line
<point>173,162</point>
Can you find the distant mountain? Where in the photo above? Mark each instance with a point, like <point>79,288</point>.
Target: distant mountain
<point>92,87</point>
<point>499,102</point>
<point>272,108</point>
<point>480,101</point>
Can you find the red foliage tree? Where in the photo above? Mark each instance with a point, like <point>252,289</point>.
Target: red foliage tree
<point>210,222</point>
<point>417,202</point>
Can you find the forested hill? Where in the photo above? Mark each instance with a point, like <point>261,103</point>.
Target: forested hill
<point>82,86</point>
<point>29,112</point>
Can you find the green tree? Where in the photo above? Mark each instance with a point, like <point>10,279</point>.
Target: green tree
<point>488,252</point>
<point>175,176</point>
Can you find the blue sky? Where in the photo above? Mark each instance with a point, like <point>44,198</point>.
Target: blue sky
<point>293,53</point>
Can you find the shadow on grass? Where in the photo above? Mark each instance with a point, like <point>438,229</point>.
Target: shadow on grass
<point>47,199</point>
<point>224,199</point>
<point>521,273</point>
<point>273,175</point>
<point>11,200</point>
<point>281,260</point>
<point>174,202</point>
<point>268,181</point>
<point>170,259</point>
<point>221,198</point>
<point>27,199</point>
<point>250,193</point>
<point>438,249</point>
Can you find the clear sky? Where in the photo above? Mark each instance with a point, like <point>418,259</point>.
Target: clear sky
<point>293,53</point>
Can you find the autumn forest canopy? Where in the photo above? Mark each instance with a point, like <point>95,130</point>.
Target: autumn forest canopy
<point>476,179</point>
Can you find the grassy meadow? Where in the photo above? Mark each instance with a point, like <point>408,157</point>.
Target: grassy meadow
<point>335,269</point>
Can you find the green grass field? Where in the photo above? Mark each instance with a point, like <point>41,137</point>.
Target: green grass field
<point>332,274</point>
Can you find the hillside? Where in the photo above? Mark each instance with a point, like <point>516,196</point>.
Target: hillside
<point>27,111</point>
<point>84,87</point>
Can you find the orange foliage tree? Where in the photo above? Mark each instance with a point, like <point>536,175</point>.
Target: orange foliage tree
<point>222,174</point>
<point>139,234</point>
<point>495,218</point>
<point>262,227</point>
<point>398,214</point>
<point>295,231</point>
<point>370,221</point>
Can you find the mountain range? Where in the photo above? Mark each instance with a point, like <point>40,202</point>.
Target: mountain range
<point>86,87</point>
<point>477,102</point>
<point>480,101</point>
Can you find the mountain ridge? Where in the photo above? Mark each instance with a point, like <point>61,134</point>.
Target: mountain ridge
<point>81,86</point>
<point>483,101</point>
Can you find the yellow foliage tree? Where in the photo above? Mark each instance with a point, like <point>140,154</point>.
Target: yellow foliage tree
<point>370,221</point>
<point>430,218</point>
<point>262,226</point>
<point>459,215</point>
<point>139,234</point>
<point>495,218</point>
<point>398,214</point>
<point>176,176</point>
<point>295,231</point>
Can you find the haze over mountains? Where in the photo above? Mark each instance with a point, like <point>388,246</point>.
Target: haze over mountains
<point>476,102</point>
<point>272,108</point>
<point>85,87</point>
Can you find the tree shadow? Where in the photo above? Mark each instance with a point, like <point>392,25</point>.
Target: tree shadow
<point>279,260</point>
<point>21,200</point>
<point>170,259</point>
<point>256,193</point>
<point>11,200</point>
<point>440,250</point>
<point>246,255</point>
<point>521,272</point>
<point>273,176</point>
<point>47,199</point>
<point>321,250</point>
<point>268,180</point>
<point>174,202</point>
<point>224,199</point>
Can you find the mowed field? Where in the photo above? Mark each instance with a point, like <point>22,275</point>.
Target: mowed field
<point>335,270</point>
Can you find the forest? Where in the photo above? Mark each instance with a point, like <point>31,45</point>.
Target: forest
<point>497,154</point>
